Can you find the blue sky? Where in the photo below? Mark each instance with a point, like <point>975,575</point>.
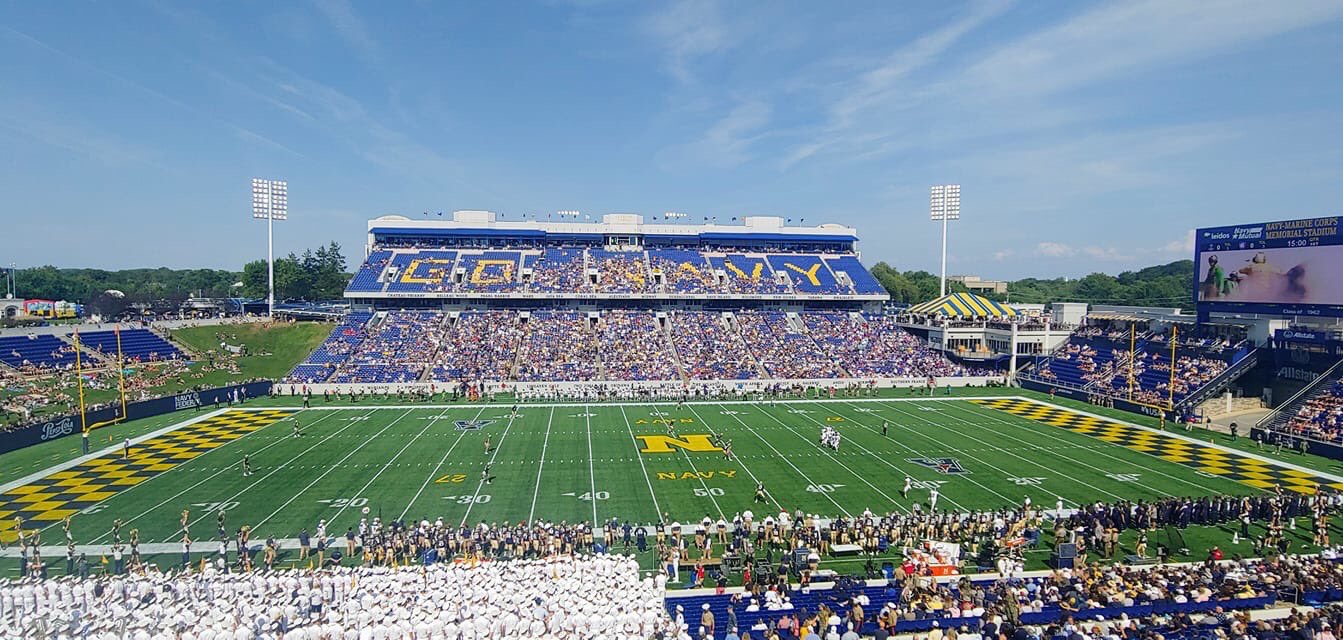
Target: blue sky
<point>1087,136</point>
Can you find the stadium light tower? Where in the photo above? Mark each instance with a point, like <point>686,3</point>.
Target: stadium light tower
<point>945,206</point>
<point>270,200</point>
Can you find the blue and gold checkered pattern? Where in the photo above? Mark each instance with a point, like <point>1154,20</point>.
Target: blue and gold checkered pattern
<point>1208,459</point>
<point>65,493</point>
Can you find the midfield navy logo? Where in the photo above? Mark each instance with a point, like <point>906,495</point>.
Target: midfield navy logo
<point>472,425</point>
<point>940,465</point>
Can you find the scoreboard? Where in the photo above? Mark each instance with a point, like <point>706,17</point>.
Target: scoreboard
<point>1291,267</point>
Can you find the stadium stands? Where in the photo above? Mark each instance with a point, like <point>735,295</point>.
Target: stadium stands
<point>490,271</point>
<point>807,273</point>
<point>322,362</point>
<point>396,348</point>
<point>137,345</point>
<point>619,345</point>
<point>781,347</point>
<point>479,345</point>
<point>620,271</point>
<point>567,270</point>
<point>560,270</point>
<point>683,271</point>
<point>38,352</point>
<point>1099,360</point>
<point>367,278</point>
<point>747,274</point>
<point>1321,417</point>
<point>559,345</point>
<point>633,347</point>
<point>709,349</point>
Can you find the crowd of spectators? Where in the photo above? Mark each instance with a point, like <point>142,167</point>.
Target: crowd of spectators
<point>634,347</point>
<point>709,349</point>
<point>396,349</point>
<point>782,348</point>
<point>560,270</point>
<point>1099,359</point>
<point>1321,417</point>
<point>479,345</point>
<point>684,272</point>
<point>621,271</point>
<point>558,345</point>
<point>621,345</point>
<point>749,274</point>
<point>570,597</point>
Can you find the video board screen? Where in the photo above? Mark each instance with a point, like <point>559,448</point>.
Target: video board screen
<point>1293,267</point>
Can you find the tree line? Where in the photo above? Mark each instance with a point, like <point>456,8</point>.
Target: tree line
<point>1167,285</point>
<point>316,274</point>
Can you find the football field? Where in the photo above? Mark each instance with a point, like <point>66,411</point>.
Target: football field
<point>631,462</point>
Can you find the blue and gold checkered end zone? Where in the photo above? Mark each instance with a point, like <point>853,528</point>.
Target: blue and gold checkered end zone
<point>65,493</point>
<point>1200,457</point>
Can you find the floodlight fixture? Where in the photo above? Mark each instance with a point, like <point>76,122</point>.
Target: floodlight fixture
<point>270,202</point>
<point>944,206</point>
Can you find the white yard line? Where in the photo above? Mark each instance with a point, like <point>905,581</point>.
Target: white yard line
<point>488,463</point>
<point>206,479</point>
<point>962,434</point>
<point>587,415</point>
<point>829,454</point>
<point>922,455</point>
<point>271,473</point>
<point>62,466</point>
<point>1132,464</point>
<point>537,491</point>
<point>434,474</point>
<point>743,464</point>
<point>383,470</point>
<point>257,527</point>
<point>790,463</point>
<point>629,427</point>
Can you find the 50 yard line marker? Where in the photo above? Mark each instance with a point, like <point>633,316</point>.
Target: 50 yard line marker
<point>630,428</point>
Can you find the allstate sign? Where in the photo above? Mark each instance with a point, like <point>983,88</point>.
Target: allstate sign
<point>57,428</point>
<point>187,401</point>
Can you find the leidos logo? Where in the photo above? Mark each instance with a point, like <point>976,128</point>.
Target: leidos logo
<point>698,442</point>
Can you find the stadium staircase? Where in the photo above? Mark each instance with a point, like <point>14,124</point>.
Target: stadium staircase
<point>1283,414</point>
<point>671,348</point>
<point>730,321</point>
<point>795,321</point>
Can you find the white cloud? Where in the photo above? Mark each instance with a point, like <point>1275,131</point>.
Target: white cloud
<point>688,30</point>
<point>1184,246</point>
<point>350,27</point>
<point>1106,253</point>
<point>1124,37</point>
<point>1055,250</point>
<point>1003,254</point>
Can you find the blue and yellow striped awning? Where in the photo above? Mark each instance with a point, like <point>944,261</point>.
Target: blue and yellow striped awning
<point>964,305</point>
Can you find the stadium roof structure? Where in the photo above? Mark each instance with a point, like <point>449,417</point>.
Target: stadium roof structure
<point>965,305</point>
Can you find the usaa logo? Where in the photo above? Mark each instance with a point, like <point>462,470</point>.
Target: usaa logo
<point>940,465</point>
<point>472,425</point>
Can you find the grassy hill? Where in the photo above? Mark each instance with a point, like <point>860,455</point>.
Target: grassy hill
<point>271,351</point>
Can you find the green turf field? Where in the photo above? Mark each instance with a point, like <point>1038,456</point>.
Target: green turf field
<point>593,463</point>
